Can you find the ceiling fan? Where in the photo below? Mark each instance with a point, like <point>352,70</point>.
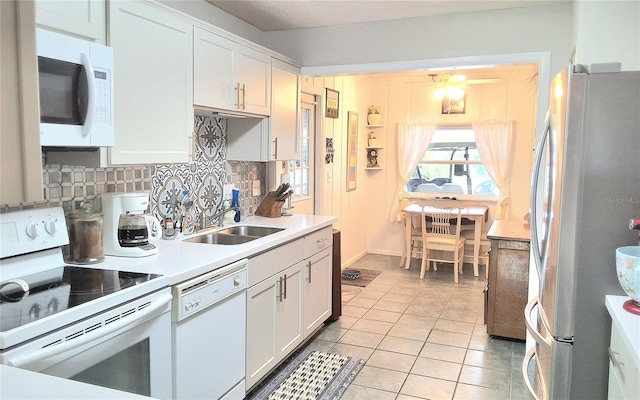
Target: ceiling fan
<point>456,79</point>
<point>452,86</point>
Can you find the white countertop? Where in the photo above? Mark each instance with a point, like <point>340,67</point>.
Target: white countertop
<point>627,323</point>
<point>178,260</point>
<point>16,383</point>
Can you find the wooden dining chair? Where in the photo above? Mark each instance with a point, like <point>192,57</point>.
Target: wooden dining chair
<point>442,234</point>
<point>415,244</point>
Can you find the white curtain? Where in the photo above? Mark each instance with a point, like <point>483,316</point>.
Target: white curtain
<point>494,140</point>
<point>413,141</point>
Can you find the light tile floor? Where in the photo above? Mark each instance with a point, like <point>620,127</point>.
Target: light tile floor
<point>422,339</point>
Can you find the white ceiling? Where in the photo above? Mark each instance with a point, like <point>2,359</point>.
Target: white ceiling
<point>269,15</point>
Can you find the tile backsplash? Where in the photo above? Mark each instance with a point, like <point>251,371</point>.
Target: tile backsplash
<point>68,186</point>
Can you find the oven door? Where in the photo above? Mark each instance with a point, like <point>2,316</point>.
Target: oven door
<point>126,348</point>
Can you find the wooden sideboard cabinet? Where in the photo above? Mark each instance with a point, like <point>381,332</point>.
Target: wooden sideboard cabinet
<point>508,280</point>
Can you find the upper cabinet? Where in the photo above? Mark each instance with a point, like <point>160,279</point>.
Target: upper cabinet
<point>276,137</point>
<point>153,79</point>
<point>230,76</point>
<point>83,18</point>
<point>20,158</point>
<point>285,106</point>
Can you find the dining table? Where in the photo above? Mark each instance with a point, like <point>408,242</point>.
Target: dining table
<point>475,214</point>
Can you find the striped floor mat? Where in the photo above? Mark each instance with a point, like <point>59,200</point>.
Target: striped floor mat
<point>309,375</point>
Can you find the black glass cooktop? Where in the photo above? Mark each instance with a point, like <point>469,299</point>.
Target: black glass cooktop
<point>56,290</point>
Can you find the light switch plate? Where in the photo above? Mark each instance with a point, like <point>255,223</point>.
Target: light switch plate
<point>256,188</point>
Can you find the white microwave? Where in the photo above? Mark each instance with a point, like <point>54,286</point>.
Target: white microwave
<point>75,79</point>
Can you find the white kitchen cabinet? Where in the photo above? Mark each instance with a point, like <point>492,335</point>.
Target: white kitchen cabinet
<point>284,306</point>
<point>624,375</point>
<point>153,79</point>
<point>276,137</point>
<point>86,19</point>
<point>274,321</point>
<point>230,76</point>
<point>20,157</point>
<point>317,290</point>
<point>285,106</point>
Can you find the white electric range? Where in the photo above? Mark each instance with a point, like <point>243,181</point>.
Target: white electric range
<point>100,326</point>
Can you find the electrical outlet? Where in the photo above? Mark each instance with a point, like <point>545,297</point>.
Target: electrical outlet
<point>256,188</point>
<point>226,191</point>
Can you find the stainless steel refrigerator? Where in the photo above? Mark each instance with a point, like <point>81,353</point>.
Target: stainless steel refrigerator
<point>585,189</point>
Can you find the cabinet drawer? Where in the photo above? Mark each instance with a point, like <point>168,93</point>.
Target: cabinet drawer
<point>273,261</point>
<point>513,245</point>
<point>318,240</point>
<point>623,367</point>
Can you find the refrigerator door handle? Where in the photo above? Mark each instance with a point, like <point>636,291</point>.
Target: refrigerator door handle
<point>534,191</point>
<point>525,375</point>
<point>531,326</point>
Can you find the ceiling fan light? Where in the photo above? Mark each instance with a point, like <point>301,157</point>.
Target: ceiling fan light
<point>455,93</point>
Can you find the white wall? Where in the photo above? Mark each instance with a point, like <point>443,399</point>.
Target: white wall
<point>608,31</point>
<point>513,98</point>
<point>352,208</point>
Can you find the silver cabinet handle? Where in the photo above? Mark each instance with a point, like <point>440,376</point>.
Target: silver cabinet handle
<point>309,266</point>
<point>324,239</point>
<point>279,296</point>
<point>243,97</point>
<point>613,356</point>
<point>275,148</point>
<point>285,286</point>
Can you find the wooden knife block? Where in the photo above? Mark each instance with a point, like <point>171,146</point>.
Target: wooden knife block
<point>270,207</point>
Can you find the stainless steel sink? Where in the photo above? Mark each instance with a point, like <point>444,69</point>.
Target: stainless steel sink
<point>234,235</point>
<point>250,230</point>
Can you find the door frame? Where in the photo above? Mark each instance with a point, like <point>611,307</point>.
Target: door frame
<point>318,182</point>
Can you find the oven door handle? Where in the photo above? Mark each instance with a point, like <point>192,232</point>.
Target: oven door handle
<point>140,317</point>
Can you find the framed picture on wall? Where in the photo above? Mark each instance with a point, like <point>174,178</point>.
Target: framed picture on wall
<point>454,106</point>
<point>352,150</point>
<point>333,103</point>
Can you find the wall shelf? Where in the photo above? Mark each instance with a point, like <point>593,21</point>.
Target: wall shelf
<point>375,126</point>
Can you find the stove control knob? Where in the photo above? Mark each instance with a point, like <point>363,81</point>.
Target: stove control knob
<point>53,306</point>
<point>32,230</point>
<point>51,227</point>
<point>34,312</point>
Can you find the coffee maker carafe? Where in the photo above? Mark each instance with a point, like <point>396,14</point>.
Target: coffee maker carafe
<point>127,230</point>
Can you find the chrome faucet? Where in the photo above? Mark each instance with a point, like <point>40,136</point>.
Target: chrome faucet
<point>208,221</point>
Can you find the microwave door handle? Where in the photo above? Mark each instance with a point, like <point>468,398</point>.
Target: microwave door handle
<point>51,351</point>
<point>534,191</point>
<point>91,95</point>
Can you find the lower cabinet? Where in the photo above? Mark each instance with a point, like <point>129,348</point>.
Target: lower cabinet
<point>624,376</point>
<point>317,290</point>
<point>274,321</point>
<point>285,308</point>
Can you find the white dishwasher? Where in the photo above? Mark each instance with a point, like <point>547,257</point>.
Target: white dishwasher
<point>209,323</point>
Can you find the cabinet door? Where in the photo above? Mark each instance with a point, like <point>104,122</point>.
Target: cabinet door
<point>253,70</point>
<point>289,316</point>
<point>213,84</point>
<point>262,307</point>
<point>317,290</point>
<point>83,18</point>
<point>153,79</point>
<point>285,106</point>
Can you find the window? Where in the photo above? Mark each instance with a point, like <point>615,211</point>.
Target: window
<point>452,165</point>
<point>300,169</point>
